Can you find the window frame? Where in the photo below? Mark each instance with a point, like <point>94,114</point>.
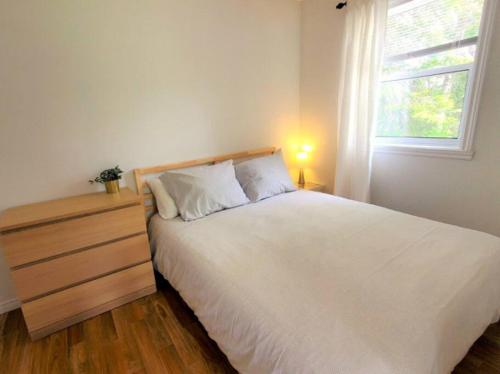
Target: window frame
<point>462,147</point>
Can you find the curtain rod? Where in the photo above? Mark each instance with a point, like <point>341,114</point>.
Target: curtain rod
<point>341,4</point>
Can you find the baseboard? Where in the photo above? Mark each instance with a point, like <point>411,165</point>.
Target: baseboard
<point>8,305</point>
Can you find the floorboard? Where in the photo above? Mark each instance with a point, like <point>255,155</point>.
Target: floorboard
<point>156,334</point>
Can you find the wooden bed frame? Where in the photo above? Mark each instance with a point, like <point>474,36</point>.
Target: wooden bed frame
<point>140,174</point>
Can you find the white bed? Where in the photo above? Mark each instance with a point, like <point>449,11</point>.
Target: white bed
<point>306,282</point>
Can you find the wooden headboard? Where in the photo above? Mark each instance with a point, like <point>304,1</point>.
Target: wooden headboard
<point>141,174</point>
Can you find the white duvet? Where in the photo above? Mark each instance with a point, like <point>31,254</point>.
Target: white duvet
<point>307,282</point>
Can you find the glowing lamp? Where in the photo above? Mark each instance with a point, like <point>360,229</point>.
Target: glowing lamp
<point>302,155</point>
<point>307,148</point>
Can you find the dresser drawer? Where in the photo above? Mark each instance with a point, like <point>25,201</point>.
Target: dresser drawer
<point>39,242</point>
<point>78,303</point>
<point>62,272</point>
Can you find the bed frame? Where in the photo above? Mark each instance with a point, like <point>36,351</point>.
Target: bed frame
<point>141,175</point>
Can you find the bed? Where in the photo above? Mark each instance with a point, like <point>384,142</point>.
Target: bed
<point>306,282</point>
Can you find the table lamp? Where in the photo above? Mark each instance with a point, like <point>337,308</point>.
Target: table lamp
<point>302,156</point>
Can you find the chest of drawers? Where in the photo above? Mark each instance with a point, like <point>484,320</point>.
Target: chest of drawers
<point>74,258</point>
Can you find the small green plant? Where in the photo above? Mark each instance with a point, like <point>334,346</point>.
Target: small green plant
<point>108,175</point>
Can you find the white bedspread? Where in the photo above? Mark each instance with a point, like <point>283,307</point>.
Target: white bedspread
<point>310,283</point>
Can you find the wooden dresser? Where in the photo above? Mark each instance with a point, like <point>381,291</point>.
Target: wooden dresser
<point>74,258</point>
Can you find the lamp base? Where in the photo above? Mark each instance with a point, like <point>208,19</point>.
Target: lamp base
<point>302,180</point>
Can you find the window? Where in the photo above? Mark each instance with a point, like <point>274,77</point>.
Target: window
<point>434,59</point>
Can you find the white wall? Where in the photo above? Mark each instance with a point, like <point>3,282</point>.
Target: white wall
<point>322,30</point>
<point>464,193</point>
<point>86,85</point>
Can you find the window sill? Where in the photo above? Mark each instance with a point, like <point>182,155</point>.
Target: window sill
<point>426,151</point>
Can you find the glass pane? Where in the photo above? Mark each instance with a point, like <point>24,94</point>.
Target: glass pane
<point>428,107</point>
<point>422,24</point>
<point>454,57</point>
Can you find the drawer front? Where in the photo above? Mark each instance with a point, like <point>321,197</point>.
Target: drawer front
<point>40,242</point>
<point>62,272</point>
<point>75,304</point>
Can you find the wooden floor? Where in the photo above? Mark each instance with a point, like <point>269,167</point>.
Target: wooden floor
<point>156,334</point>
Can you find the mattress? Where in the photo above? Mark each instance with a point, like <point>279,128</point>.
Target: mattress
<point>307,282</point>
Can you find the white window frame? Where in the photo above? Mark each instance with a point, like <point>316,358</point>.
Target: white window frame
<point>461,148</point>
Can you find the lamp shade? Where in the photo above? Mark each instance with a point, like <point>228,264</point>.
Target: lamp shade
<point>302,156</point>
<point>303,153</point>
<point>307,148</point>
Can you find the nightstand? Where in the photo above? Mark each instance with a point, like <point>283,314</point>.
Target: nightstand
<point>309,186</point>
<point>74,258</point>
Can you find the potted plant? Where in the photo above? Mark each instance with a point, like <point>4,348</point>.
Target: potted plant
<point>110,178</point>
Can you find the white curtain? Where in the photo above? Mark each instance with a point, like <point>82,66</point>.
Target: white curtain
<point>361,64</point>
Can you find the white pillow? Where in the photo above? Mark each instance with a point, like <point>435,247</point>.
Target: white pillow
<point>164,202</point>
<point>264,177</point>
<point>202,190</point>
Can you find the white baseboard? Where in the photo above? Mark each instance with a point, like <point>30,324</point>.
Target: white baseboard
<point>8,305</point>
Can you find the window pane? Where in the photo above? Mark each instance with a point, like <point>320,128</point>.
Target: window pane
<point>428,107</point>
<point>422,24</point>
<point>454,57</point>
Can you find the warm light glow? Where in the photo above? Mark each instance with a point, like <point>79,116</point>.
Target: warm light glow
<point>303,152</point>
<point>307,148</point>
<point>302,155</point>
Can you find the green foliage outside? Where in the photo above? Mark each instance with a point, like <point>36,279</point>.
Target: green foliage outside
<point>429,106</point>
